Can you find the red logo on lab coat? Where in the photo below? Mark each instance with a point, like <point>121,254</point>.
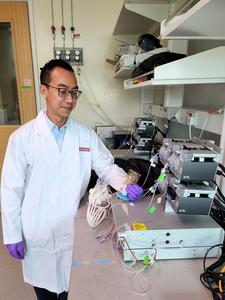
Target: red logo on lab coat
<point>84,149</point>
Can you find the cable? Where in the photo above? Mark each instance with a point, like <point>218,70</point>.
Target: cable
<point>120,262</point>
<point>124,140</point>
<point>96,106</point>
<point>210,278</point>
<point>63,29</point>
<point>217,211</point>
<point>220,197</point>
<point>72,12</point>
<point>190,134</point>
<point>219,203</point>
<point>221,167</point>
<point>204,126</point>
<point>125,154</point>
<point>72,28</point>
<point>107,236</point>
<point>134,273</point>
<point>53,29</point>
<point>220,281</point>
<point>206,254</point>
<point>150,165</point>
<point>62,8</point>
<point>152,143</point>
<point>52,11</point>
<point>152,190</point>
<point>167,130</point>
<point>140,290</point>
<point>153,195</point>
<point>220,192</point>
<point>220,173</point>
<point>122,243</point>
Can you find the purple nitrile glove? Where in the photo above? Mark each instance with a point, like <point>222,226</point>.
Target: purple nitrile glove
<point>134,191</point>
<point>16,250</point>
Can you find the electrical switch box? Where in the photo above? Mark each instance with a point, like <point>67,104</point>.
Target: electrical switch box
<point>74,56</point>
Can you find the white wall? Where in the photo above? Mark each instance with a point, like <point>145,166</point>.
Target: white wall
<point>204,95</point>
<point>104,100</point>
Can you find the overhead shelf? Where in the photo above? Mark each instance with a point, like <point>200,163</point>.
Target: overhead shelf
<point>141,17</point>
<point>154,10</point>
<point>205,20</point>
<point>130,23</point>
<point>203,68</point>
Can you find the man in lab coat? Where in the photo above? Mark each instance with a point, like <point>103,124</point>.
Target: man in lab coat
<point>45,173</point>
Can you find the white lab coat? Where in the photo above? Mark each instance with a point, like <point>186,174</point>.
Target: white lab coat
<point>40,192</point>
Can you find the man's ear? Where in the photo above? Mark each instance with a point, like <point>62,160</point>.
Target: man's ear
<point>43,90</point>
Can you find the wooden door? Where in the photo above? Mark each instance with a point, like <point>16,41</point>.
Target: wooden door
<point>17,91</point>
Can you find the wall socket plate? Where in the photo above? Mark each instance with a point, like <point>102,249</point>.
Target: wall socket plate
<point>74,56</point>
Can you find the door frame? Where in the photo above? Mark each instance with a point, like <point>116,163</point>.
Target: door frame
<point>25,68</point>
<point>33,49</point>
<point>34,53</point>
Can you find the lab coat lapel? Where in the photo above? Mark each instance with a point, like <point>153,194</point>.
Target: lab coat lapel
<point>41,127</point>
<point>69,138</point>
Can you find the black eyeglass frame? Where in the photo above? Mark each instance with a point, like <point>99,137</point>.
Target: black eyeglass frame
<point>74,94</point>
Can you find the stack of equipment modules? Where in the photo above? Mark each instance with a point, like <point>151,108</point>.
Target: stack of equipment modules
<point>193,165</point>
<point>143,130</point>
<point>180,226</point>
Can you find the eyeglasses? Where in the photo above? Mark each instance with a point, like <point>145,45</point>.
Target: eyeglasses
<point>64,92</point>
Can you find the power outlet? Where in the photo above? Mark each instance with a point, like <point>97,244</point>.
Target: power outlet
<point>146,108</point>
<point>191,119</point>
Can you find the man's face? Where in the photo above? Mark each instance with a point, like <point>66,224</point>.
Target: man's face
<point>60,107</point>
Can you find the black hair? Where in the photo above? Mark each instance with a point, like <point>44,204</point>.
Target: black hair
<point>45,75</point>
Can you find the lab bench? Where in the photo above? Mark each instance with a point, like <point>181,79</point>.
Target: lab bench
<point>96,273</point>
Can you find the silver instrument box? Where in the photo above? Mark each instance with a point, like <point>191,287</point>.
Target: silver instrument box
<point>190,198</point>
<point>173,236</point>
<point>191,160</point>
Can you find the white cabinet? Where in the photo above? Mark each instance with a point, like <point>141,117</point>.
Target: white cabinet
<point>205,20</point>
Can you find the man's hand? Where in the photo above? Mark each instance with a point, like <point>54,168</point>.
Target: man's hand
<point>134,191</point>
<point>16,250</point>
